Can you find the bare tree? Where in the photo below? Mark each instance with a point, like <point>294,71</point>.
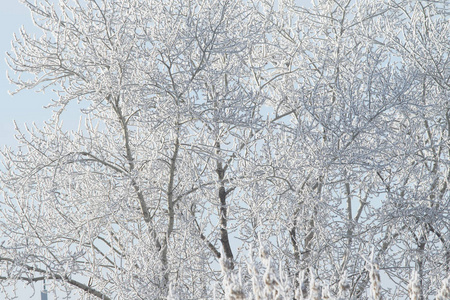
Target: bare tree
<point>210,128</point>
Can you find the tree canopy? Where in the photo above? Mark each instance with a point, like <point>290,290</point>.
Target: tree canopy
<point>214,130</point>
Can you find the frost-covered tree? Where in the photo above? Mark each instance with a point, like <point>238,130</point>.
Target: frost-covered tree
<point>209,128</point>
<point>363,159</point>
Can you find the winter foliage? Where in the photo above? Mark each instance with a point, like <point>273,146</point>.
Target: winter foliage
<point>232,149</point>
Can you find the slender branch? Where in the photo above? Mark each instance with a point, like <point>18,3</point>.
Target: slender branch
<point>101,161</point>
<point>84,287</point>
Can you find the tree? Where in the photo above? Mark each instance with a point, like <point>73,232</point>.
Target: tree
<point>211,128</point>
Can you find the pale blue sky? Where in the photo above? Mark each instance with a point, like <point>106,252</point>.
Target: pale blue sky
<point>27,106</point>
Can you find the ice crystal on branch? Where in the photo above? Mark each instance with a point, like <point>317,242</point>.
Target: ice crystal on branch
<point>316,133</point>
